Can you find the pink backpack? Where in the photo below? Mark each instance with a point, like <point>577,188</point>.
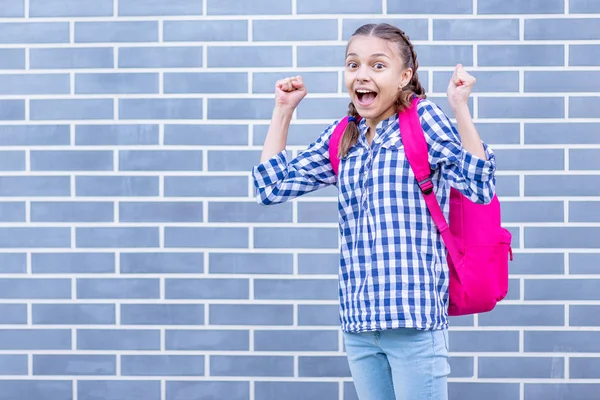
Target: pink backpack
<point>478,246</point>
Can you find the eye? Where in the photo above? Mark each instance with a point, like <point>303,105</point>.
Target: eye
<point>352,64</point>
<point>379,65</point>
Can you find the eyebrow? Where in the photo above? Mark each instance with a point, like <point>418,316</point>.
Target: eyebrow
<point>372,55</point>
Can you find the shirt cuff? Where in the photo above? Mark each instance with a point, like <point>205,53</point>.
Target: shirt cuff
<point>478,169</point>
<point>270,171</point>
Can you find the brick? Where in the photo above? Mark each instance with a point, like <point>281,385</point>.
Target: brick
<point>117,288</point>
<point>74,364</point>
<point>296,289</point>
<point>584,55</point>
<point>118,339</point>
<point>444,55</point>
<point>206,237</point>
<point>38,84</point>
<point>487,81</point>
<point>250,57</point>
<point>584,107</point>
<point>162,314</point>
<point>116,32</point>
<point>12,59</point>
<point>519,7</point>
<point>122,390</point>
<point>339,7</point>
<point>206,288</point>
<point>71,109</point>
<point>35,339</point>
<point>160,160</point>
<point>210,340</point>
<point>207,31</point>
<point>160,212</point>
<point>12,110</point>
<point>296,390</point>
<point>71,58</point>
<point>562,341</point>
<point>34,186</point>
<point>248,212</point>
<point>584,315</point>
<point>206,135</point>
<point>489,391</point>
<point>558,391</point>
<point>72,212</point>
<point>475,29</point>
<point>233,7</point>
<point>296,238</point>
<point>187,390</point>
<point>232,160</point>
<point>564,81</point>
<point>561,185</point>
<point>170,108</point>
<point>583,211</point>
<point>158,8</point>
<point>316,82</point>
<point>162,263</point>
<point>72,160</point>
<point>554,133</point>
<point>533,211</point>
<point>521,107</point>
<point>318,315</point>
<point>561,289</point>
<point>461,367</point>
<point>73,314</point>
<point>583,6</point>
<point>116,135</point>
<point>161,57</point>
<point>525,55</point>
<point>295,30</point>
<point>318,263</point>
<point>350,391</point>
<point>70,8</point>
<point>584,368</point>
<point>162,365</point>
<point>250,263</point>
<point>116,186</point>
<point>228,109</point>
<point>13,364</point>
<point>416,29</point>
<point>12,211</point>
<point>575,237</point>
<point>272,366</point>
<point>317,212</point>
<point>116,83</point>
<point>462,320</point>
<point>34,135</point>
<point>538,263</point>
<point>34,32</point>
<point>251,314</point>
<point>12,8</point>
<point>442,103</point>
<point>117,237</point>
<point>499,133</point>
<point>583,263</point>
<point>35,237</point>
<point>13,263</point>
<point>323,367</point>
<point>319,108</point>
<point>523,315</point>
<point>72,263</point>
<point>299,134</point>
<point>228,82</point>
<point>35,288</point>
<point>13,314</point>
<point>206,186</point>
<point>484,341</point>
<point>321,56</point>
<point>36,389</point>
<point>297,341</point>
<point>430,7</point>
<point>561,29</point>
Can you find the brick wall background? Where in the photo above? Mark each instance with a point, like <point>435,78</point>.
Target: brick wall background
<point>135,264</point>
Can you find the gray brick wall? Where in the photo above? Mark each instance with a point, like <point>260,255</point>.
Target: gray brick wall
<point>135,264</point>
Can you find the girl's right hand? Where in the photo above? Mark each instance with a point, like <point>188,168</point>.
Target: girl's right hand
<point>289,92</point>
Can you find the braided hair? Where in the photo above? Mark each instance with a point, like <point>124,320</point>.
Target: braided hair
<point>413,87</point>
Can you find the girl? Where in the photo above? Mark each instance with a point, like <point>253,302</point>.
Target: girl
<point>393,278</point>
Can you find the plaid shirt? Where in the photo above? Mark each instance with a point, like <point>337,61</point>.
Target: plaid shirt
<point>393,269</point>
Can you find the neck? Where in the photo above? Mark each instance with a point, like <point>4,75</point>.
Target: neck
<point>372,123</point>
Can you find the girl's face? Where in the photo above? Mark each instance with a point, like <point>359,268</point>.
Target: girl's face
<point>374,77</point>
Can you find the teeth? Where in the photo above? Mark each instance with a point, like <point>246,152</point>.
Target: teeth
<point>364,91</point>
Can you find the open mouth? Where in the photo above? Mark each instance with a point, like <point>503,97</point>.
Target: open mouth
<point>365,97</point>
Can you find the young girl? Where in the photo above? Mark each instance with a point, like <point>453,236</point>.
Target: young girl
<point>393,279</point>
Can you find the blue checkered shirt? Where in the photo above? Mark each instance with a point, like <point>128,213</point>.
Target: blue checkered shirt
<point>393,270</point>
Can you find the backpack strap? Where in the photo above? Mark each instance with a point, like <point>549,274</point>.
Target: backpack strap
<point>417,154</point>
<point>334,144</point>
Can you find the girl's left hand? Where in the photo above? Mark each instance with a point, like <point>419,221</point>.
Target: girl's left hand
<point>459,88</point>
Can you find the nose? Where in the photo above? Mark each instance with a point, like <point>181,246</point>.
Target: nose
<point>362,74</point>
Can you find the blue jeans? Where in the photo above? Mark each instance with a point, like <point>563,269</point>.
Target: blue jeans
<point>399,364</point>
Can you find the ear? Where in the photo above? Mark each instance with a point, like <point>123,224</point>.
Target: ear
<point>406,77</point>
